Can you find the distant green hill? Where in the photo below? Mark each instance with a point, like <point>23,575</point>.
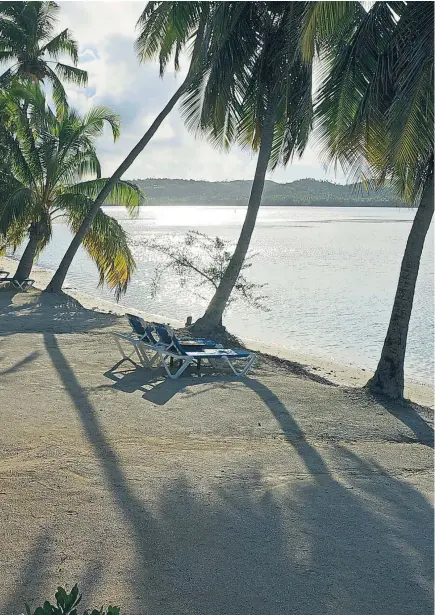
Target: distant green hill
<point>301,192</point>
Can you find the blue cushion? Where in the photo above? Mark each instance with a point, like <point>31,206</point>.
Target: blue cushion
<point>210,353</point>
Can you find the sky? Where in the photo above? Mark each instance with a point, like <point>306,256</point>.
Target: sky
<point>106,32</point>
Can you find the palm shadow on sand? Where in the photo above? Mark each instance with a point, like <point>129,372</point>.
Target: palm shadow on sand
<point>357,542</point>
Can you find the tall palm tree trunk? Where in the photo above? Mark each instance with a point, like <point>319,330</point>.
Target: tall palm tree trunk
<point>58,278</point>
<point>213,314</point>
<point>389,376</point>
<point>26,261</point>
<point>61,272</point>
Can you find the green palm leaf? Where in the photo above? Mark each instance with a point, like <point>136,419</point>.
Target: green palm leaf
<point>106,242</point>
<point>124,192</point>
<point>27,39</point>
<point>62,44</point>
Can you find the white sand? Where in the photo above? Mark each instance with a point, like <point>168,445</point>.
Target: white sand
<point>342,374</point>
<point>272,494</point>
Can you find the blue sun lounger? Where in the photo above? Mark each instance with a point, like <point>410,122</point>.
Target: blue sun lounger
<point>141,339</point>
<point>167,336</point>
<point>188,357</point>
<point>23,285</point>
<point>185,351</point>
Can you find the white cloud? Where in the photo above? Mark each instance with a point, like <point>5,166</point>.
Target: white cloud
<point>106,33</point>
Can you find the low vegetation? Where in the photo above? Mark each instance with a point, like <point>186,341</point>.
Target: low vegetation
<point>67,603</point>
<point>199,263</point>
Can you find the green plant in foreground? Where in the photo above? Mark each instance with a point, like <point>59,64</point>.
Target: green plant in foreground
<point>66,604</point>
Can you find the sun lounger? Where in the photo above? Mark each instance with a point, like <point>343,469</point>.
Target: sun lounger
<point>167,336</point>
<point>142,341</point>
<point>169,346</point>
<point>23,285</point>
<point>189,357</point>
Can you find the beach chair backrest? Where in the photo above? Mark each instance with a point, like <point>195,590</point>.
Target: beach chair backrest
<point>176,343</point>
<point>168,338</point>
<point>136,324</point>
<point>163,333</point>
<point>149,335</point>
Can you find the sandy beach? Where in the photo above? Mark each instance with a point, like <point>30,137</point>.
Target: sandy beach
<point>338,373</point>
<point>281,492</point>
<point>278,493</point>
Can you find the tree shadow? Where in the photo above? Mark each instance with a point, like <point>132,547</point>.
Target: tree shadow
<point>20,364</point>
<point>56,313</point>
<point>7,294</point>
<point>32,574</point>
<point>159,389</point>
<point>36,582</point>
<point>410,414</point>
<point>267,544</point>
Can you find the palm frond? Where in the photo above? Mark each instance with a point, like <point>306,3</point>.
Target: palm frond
<point>71,169</point>
<point>62,43</point>
<point>93,122</point>
<point>106,243</point>
<point>72,74</point>
<point>375,107</point>
<point>166,28</point>
<point>327,23</point>
<point>58,91</point>
<point>17,205</point>
<point>125,193</point>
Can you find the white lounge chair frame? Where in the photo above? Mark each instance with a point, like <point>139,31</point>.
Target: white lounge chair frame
<point>23,285</point>
<point>162,352</point>
<point>140,348</point>
<point>187,360</point>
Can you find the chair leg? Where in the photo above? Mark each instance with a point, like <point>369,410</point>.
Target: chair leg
<point>247,367</point>
<point>143,359</point>
<point>125,357</point>
<point>140,353</point>
<point>184,364</point>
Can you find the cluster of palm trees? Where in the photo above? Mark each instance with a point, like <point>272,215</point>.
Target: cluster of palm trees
<point>250,82</point>
<point>49,165</point>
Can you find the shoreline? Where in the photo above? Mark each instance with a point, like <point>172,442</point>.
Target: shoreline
<point>341,374</point>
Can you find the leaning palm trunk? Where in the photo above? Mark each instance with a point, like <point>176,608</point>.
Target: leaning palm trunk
<point>59,277</point>
<point>389,376</point>
<point>213,314</point>
<point>26,261</point>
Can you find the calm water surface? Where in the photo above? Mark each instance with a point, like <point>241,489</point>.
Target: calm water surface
<point>331,275</point>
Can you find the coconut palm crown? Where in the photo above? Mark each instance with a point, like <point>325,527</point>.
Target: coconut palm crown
<point>53,171</point>
<point>31,49</point>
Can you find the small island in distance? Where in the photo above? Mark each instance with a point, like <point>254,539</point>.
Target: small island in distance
<point>302,192</point>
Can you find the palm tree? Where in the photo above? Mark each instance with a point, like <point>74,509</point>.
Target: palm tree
<point>53,171</point>
<point>375,113</point>
<point>167,28</point>
<point>26,41</point>
<point>256,93</point>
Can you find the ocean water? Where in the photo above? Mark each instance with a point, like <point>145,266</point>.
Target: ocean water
<point>331,276</point>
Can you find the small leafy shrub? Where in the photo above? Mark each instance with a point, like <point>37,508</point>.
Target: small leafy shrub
<point>199,262</point>
<point>66,605</point>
